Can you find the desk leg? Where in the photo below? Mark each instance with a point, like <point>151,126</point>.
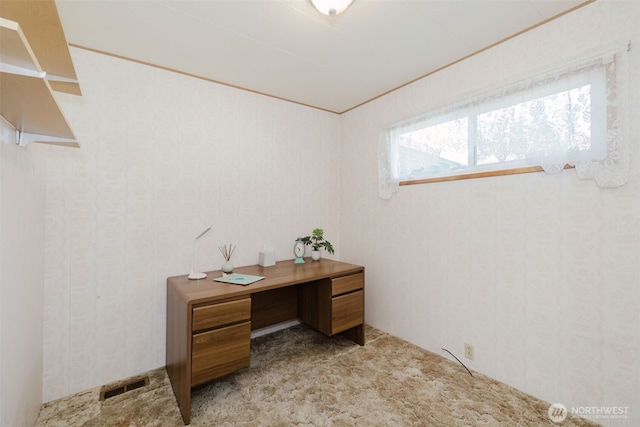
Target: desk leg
<point>355,334</point>
<point>178,352</point>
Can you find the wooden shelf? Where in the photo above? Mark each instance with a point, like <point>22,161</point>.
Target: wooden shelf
<point>26,100</point>
<point>40,22</point>
<point>28,104</point>
<point>14,48</point>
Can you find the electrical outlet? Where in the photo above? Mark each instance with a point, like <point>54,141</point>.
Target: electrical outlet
<point>468,351</point>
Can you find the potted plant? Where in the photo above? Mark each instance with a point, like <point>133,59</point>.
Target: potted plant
<point>317,242</point>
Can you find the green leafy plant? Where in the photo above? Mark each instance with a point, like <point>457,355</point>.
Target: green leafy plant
<point>317,241</point>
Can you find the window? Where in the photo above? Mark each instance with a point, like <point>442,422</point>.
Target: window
<point>565,116</point>
<point>528,127</point>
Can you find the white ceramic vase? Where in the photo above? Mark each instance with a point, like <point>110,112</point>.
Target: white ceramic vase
<point>315,255</point>
<point>227,267</point>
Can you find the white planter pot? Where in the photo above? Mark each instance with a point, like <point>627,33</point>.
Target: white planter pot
<point>315,255</point>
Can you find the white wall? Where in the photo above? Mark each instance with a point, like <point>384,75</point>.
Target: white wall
<point>163,156</point>
<point>22,208</point>
<point>539,272</point>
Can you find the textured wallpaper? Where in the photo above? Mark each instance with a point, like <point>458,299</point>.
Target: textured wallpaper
<point>164,156</point>
<point>541,273</point>
<point>22,207</point>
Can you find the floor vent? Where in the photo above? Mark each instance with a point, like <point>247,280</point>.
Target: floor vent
<point>112,390</point>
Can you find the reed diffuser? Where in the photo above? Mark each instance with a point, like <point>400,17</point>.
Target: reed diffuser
<point>227,251</point>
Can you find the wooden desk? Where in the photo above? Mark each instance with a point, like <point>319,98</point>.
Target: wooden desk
<point>209,323</point>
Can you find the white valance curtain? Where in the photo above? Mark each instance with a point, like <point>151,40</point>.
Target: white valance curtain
<point>608,168</point>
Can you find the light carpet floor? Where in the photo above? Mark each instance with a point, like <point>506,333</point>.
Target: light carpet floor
<point>299,377</point>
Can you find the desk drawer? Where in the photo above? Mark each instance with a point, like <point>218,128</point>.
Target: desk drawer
<point>224,313</point>
<point>347,311</point>
<point>344,284</point>
<point>220,352</point>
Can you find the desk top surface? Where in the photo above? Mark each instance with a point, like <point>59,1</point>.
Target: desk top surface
<point>284,273</point>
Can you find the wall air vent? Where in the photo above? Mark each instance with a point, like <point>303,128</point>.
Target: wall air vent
<point>112,390</point>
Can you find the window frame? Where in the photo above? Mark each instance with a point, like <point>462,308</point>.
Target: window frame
<point>595,77</point>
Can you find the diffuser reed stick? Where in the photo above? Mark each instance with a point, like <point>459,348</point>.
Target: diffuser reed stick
<point>227,251</point>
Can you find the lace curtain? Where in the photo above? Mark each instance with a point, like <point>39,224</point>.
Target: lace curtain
<point>608,168</point>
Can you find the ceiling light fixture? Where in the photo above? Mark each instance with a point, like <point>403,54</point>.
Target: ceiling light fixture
<point>331,7</point>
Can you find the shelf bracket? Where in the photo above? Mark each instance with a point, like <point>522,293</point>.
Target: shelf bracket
<point>24,138</point>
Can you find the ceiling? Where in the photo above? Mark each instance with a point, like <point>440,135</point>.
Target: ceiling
<point>286,49</point>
